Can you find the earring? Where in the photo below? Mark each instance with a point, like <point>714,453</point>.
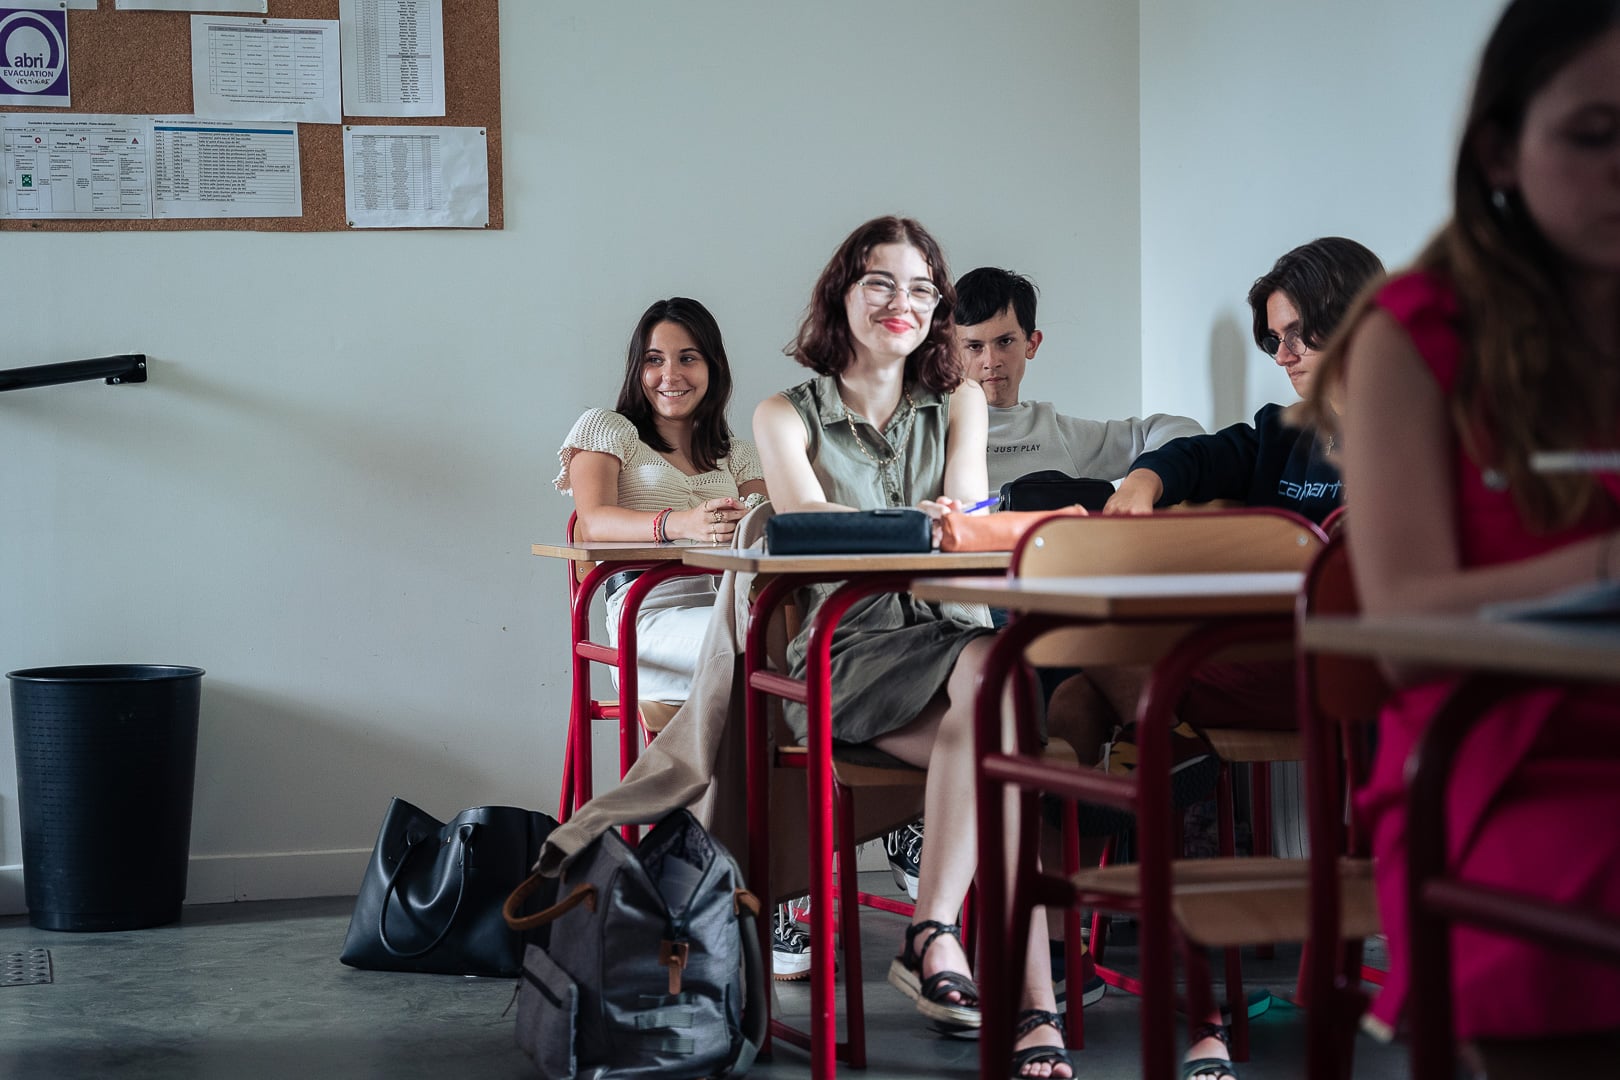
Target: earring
<point>1499,200</point>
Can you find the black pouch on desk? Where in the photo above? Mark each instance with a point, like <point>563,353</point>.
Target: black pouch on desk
<point>432,895</point>
<point>862,532</point>
<point>1052,490</point>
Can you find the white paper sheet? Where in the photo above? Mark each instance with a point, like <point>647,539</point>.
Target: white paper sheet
<point>75,166</point>
<point>266,69</point>
<point>191,5</point>
<point>225,169</point>
<point>393,57</point>
<point>34,54</point>
<point>416,177</point>
<point>82,5</point>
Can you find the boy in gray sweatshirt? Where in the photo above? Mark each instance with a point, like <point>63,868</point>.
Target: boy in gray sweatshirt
<point>995,326</point>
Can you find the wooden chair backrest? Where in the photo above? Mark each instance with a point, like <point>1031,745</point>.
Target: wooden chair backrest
<point>580,567</point>
<point>1345,692</point>
<point>1238,541</point>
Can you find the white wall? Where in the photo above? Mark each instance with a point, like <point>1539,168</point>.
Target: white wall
<point>1268,123</point>
<point>326,493</point>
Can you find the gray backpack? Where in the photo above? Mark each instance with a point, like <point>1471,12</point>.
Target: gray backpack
<point>654,964</point>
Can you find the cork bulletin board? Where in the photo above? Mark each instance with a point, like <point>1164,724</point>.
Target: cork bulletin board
<point>140,62</point>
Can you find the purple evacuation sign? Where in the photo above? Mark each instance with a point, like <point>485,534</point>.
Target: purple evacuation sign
<point>34,57</point>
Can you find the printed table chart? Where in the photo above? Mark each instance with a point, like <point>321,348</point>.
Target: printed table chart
<point>262,63</point>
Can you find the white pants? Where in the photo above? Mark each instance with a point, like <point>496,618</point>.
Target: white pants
<point>669,631</point>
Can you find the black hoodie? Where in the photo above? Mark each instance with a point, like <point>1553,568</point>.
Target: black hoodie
<point>1269,464</point>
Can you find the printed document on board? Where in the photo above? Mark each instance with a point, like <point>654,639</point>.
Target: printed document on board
<point>225,169</point>
<point>416,177</point>
<point>393,57</point>
<point>75,166</point>
<point>266,69</point>
<point>191,5</point>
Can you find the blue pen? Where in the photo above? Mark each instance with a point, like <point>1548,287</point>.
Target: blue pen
<point>982,504</point>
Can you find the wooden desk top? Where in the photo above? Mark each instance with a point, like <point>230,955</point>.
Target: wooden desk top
<point>930,562</point>
<point>1566,650</point>
<point>620,550</point>
<point>1126,595</point>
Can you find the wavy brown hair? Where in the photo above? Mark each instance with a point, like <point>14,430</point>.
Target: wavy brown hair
<point>1320,279</point>
<point>1519,386</point>
<point>711,435</point>
<point>824,344</point>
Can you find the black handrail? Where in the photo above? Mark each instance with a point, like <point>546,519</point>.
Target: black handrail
<point>125,368</point>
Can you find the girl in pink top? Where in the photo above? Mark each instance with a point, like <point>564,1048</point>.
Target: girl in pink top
<point>1504,340</point>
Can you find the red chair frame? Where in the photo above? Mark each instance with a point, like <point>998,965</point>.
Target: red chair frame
<point>1339,701</point>
<point>1148,797</point>
<point>830,809</point>
<point>1006,912</point>
<point>583,709</point>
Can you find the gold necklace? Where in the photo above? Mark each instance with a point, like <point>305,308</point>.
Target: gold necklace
<point>854,433</point>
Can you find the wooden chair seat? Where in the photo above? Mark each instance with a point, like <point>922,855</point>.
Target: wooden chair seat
<point>1255,744</point>
<point>859,774</point>
<point>656,715</point>
<point>1232,902</point>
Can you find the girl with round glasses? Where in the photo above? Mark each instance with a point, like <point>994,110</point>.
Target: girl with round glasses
<point>889,421</point>
<point>663,465</point>
<point>1502,341</point>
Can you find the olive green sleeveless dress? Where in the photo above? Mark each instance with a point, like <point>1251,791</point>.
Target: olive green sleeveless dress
<point>891,653</point>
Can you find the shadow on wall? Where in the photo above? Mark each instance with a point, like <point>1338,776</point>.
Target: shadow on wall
<point>1228,371</point>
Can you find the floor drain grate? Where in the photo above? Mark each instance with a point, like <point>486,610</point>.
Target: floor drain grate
<point>25,968</point>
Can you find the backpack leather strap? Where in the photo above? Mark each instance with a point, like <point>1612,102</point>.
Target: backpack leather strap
<point>583,894</point>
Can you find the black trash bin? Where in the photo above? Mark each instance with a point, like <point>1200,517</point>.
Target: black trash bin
<point>106,756</point>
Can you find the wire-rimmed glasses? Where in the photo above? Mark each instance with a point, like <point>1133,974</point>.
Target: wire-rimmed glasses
<point>1292,340</point>
<point>879,290</point>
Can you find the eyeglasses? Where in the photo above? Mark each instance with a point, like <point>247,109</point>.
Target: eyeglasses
<point>879,291</point>
<point>1296,344</point>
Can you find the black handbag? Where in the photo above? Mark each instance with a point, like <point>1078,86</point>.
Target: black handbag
<point>1053,490</point>
<point>861,532</point>
<point>431,898</point>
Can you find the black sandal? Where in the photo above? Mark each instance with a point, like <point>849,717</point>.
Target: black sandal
<point>1209,1068</point>
<point>1028,1021</point>
<point>905,973</point>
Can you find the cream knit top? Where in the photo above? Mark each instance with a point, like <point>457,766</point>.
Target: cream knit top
<point>646,480</point>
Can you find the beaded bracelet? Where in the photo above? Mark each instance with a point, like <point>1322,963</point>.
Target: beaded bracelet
<point>660,535</point>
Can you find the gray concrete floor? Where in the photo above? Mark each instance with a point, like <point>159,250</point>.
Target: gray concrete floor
<point>255,990</point>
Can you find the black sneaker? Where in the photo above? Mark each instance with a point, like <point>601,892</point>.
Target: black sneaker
<point>1194,771</point>
<point>1194,767</point>
<point>790,945</point>
<point>904,846</point>
<point>1092,992</point>
<point>1092,987</point>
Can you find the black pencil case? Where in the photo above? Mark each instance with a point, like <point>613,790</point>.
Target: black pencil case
<point>1053,490</point>
<point>862,532</point>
